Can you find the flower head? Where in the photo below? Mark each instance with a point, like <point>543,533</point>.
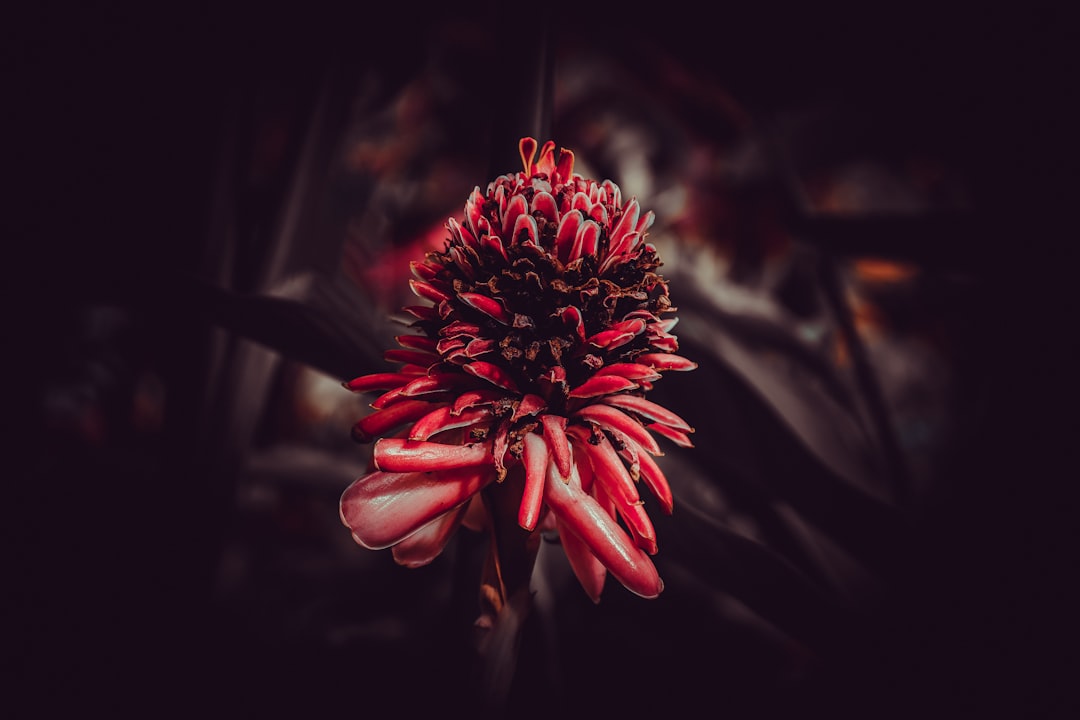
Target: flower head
<point>546,325</point>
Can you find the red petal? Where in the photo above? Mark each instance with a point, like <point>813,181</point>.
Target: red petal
<point>584,517</point>
<point>382,421</point>
<point>436,383</point>
<point>444,418</point>
<point>612,418</point>
<point>679,438</point>
<point>401,455</point>
<point>526,224</point>
<point>544,203</point>
<point>517,207</point>
<point>428,291</point>
<point>564,237</point>
<point>535,459</point>
<point>527,148</point>
<point>626,224</point>
<point>630,371</point>
<point>383,508</point>
<point>546,164</point>
<point>599,385</point>
<point>427,543</point>
<point>494,244</point>
<point>377,381</point>
<point>648,410</point>
<point>572,317</point>
<point>565,169</point>
<point>529,405</point>
<point>459,328</point>
<point>491,307</point>
<point>492,373</point>
<point>585,241</point>
<point>653,478</point>
<point>589,571</point>
<point>666,361</point>
<point>559,447</point>
<point>607,466</point>
<point>610,339</point>
<point>473,398</point>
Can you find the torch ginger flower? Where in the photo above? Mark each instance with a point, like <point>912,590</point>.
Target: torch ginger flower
<point>546,326</point>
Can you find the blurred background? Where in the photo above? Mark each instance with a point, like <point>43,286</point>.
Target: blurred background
<point>859,214</point>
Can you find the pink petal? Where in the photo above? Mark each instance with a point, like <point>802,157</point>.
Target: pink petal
<point>383,508</point>
<point>584,517</point>
<point>427,543</point>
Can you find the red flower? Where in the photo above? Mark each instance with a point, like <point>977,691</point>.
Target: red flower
<point>546,327</point>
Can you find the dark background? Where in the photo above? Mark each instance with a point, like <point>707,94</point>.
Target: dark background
<point>115,121</point>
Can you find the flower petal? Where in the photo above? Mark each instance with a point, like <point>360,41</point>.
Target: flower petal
<point>584,517</point>
<point>630,371</point>
<point>534,457</point>
<point>382,421</point>
<point>648,410</point>
<point>492,307</point>
<point>666,361</point>
<point>402,455</point>
<point>599,385</point>
<point>679,438</point>
<point>427,543</point>
<point>383,508</point>
<point>589,571</point>
<point>492,373</point>
<point>377,381</point>
<point>559,447</point>
<point>611,418</point>
<point>653,478</point>
<point>444,419</point>
<point>606,464</point>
